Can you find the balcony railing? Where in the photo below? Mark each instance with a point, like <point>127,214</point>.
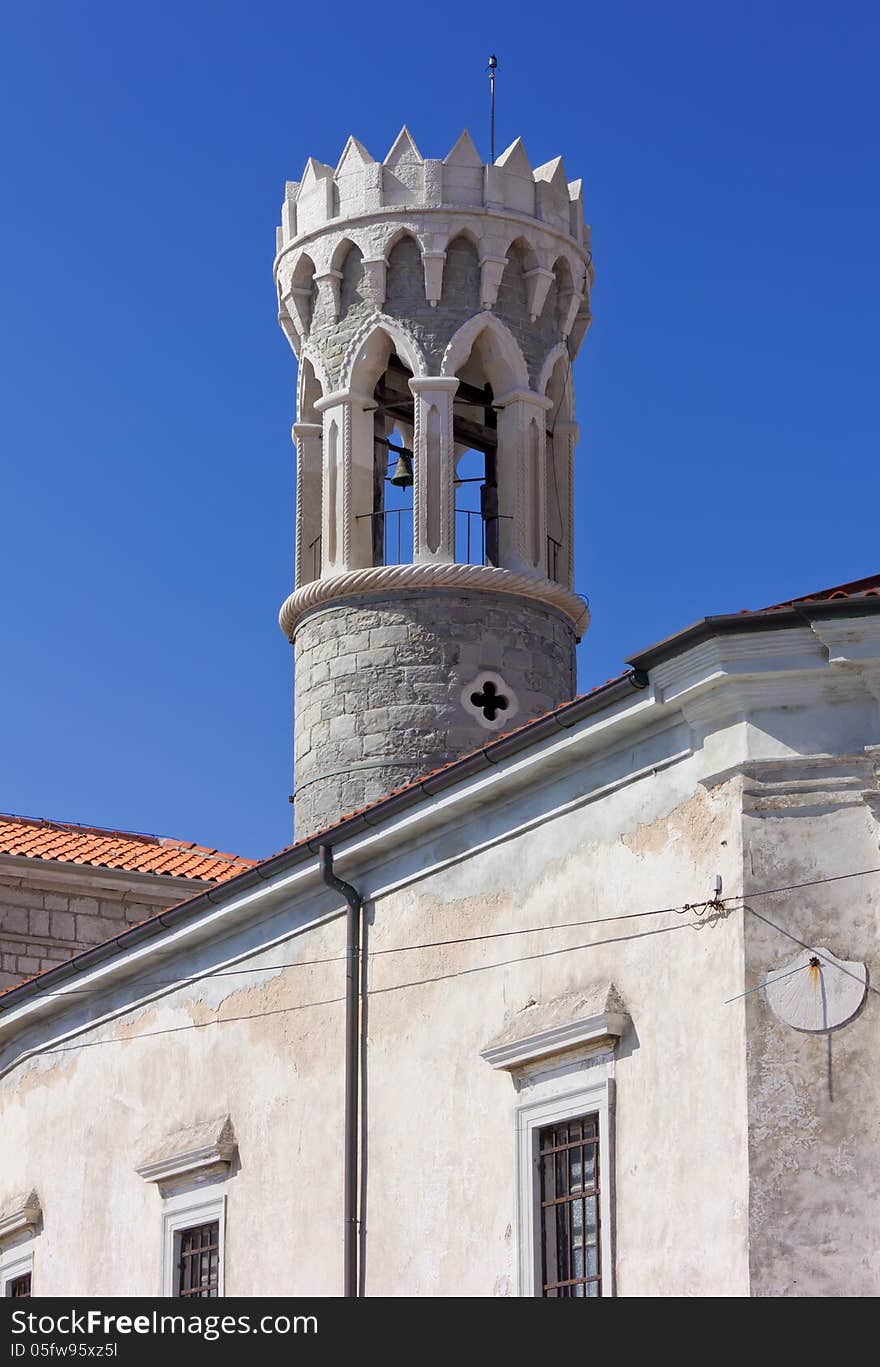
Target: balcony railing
<point>554,550</point>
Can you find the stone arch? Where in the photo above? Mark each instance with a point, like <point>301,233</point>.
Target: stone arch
<point>367,356</point>
<point>461,272</point>
<point>299,294</point>
<point>405,276</point>
<point>561,391</point>
<point>308,438</point>
<point>352,285</point>
<point>311,388</point>
<point>520,247</point>
<point>341,251</point>
<point>565,293</point>
<point>400,234</point>
<point>501,356</point>
<point>557,383</point>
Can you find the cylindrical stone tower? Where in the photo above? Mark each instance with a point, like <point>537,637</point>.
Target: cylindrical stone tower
<point>435,308</point>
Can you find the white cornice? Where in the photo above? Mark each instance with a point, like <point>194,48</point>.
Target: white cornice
<point>606,1028</point>
<point>385,579</point>
<point>18,1214</point>
<point>199,1152</point>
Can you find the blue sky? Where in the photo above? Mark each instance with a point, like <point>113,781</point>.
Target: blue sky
<point>726,393</point>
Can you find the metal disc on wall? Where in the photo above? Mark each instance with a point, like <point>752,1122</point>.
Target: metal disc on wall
<point>815,990</point>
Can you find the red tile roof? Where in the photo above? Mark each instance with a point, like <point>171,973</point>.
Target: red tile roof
<point>859,588</point>
<point>128,850</point>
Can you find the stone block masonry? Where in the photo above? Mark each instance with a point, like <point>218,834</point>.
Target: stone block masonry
<point>383,689</point>
<point>46,918</point>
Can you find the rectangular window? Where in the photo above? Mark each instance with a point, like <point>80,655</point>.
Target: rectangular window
<point>198,1267</point>
<point>19,1286</point>
<point>568,1178</point>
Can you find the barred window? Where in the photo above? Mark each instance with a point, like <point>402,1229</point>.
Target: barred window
<point>568,1176</point>
<point>19,1286</point>
<point>198,1267</point>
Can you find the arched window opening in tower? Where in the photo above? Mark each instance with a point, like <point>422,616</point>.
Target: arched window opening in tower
<point>559,473</point>
<point>475,432</point>
<point>393,474</point>
<point>309,494</point>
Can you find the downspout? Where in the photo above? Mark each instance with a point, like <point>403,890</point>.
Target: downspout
<point>352,1066</point>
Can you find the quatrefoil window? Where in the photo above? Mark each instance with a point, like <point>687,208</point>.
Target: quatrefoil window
<point>490,700</point>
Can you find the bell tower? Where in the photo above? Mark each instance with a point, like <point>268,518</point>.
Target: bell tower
<point>435,308</point>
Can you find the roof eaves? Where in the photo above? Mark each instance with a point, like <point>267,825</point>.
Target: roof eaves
<point>357,823</point>
<point>739,623</point>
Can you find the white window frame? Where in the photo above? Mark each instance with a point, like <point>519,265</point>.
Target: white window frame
<point>15,1263</point>
<point>557,1097</point>
<point>186,1211</point>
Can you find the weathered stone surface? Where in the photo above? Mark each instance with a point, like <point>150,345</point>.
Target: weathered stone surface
<point>401,712</point>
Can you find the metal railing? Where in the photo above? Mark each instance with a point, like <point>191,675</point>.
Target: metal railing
<point>397,533</point>
<point>315,548</point>
<point>554,548</point>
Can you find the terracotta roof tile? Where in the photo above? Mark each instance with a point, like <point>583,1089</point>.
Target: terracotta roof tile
<point>859,588</point>
<point>126,850</point>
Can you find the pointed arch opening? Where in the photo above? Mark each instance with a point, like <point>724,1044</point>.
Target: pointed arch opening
<point>564,294</point>
<point>309,477</point>
<point>461,272</point>
<point>559,491</point>
<point>352,286</point>
<point>304,293</point>
<point>382,369</point>
<point>489,365</point>
<point>404,279</point>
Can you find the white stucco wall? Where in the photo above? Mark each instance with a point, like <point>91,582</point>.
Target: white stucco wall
<point>734,1172</point>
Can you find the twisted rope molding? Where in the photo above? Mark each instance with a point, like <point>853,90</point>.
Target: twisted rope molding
<point>383,579</point>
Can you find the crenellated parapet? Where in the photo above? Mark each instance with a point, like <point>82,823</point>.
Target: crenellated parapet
<point>435,308</point>
<point>461,222</point>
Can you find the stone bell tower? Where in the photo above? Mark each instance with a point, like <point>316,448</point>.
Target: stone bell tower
<point>435,308</point>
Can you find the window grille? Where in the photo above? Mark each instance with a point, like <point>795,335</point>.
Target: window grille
<point>198,1268</point>
<point>568,1177</point>
<point>20,1286</point>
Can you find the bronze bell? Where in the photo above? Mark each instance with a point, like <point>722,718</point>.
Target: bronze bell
<point>403,471</point>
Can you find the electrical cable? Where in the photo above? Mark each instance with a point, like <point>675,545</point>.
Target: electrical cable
<point>718,905</point>
<point>393,949</point>
<point>697,907</point>
<point>372,992</point>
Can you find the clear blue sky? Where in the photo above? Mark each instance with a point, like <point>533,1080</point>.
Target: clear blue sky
<point>727,392</point>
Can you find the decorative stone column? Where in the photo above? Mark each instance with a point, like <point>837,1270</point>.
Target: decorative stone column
<point>307,437</point>
<point>347,493</point>
<point>522,480</point>
<point>560,483</point>
<point>434,470</point>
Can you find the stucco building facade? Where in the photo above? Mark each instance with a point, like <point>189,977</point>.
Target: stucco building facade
<point>571,1001</point>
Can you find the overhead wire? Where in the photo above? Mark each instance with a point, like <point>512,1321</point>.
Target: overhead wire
<point>392,949</point>
<point>371,992</point>
<point>716,905</point>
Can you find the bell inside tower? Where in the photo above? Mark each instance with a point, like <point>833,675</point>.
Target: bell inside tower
<point>435,308</point>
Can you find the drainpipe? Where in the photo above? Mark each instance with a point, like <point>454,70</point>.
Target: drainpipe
<point>352,1065</point>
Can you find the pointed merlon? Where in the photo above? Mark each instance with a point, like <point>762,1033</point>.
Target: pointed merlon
<point>314,172</point>
<point>403,149</point>
<point>354,156</point>
<point>514,160</point>
<point>464,153</point>
<point>553,172</point>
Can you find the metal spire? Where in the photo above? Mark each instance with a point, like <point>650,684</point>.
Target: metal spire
<point>492,68</point>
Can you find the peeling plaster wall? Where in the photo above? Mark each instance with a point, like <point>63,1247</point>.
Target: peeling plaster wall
<point>813,1098</point>
<point>439,1159</point>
